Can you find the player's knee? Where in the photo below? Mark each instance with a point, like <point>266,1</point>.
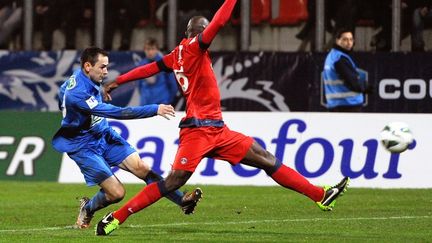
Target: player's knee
<point>143,168</point>
<point>267,159</point>
<point>116,195</point>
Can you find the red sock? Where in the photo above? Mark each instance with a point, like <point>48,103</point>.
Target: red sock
<point>291,179</point>
<point>149,195</point>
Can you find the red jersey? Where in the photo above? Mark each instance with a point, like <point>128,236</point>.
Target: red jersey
<point>193,70</point>
<point>191,64</point>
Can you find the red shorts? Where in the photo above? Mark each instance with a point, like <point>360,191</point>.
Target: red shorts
<point>214,142</point>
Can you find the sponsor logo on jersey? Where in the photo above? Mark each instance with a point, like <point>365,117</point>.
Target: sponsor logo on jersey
<point>71,82</point>
<point>92,102</point>
<point>95,120</point>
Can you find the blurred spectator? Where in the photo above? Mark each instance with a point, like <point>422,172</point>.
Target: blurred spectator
<point>152,12</point>
<point>308,30</point>
<point>146,12</point>
<point>383,18</point>
<point>77,15</point>
<point>158,89</point>
<point>344,14</point>
<point>10,20</point>
<point>120,15</point>
<point>421,15</point>
<point>45,14</point>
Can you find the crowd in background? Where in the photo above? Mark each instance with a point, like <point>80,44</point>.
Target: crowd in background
<point>125,15</point>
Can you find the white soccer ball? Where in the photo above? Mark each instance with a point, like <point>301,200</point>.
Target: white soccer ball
<point>396,137</point>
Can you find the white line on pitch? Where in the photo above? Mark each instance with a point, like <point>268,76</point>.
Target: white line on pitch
<point>224,223</point>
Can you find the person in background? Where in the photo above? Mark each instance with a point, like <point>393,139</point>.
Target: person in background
<point>88,139</point>
<point>421,15</point>
<point>78,15</point>
<point>121,15</point>
<point>161,88</point>
<point>343,88</point>
<point>203,132</point>
<point>45,12</point>
<point>11,12</point>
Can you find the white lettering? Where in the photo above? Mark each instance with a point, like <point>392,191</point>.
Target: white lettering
<point>25,157</point>
<point>414,95</point>
<point>389,95</point>
<point>5,141</point>
<point>413,89</point>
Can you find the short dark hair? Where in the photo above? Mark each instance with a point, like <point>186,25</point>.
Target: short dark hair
<point>340,31</point>
<point>91,55</point>
<point>152,42</point>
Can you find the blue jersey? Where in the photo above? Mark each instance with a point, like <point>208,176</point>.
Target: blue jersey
<point>84,113</point>
<point>159,89</point>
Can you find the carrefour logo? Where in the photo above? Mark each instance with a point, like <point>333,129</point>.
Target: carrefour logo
<point>291,132</point>
<point>411,89</point>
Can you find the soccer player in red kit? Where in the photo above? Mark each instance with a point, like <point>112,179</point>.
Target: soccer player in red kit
<point>203,132</point>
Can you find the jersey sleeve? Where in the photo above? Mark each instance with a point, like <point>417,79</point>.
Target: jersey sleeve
<point>140,72</point>
<point>220,18</point>
<point>166,63</point>
<point>90,105</point>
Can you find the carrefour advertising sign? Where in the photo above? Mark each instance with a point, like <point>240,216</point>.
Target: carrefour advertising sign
<point>322,146</point>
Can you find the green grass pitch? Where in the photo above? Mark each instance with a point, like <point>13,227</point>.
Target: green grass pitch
<point>45,212</point>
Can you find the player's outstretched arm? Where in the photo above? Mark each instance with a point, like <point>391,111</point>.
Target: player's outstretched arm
<point>94,107</point>
<point>140,72</point>
<point>219,20</point>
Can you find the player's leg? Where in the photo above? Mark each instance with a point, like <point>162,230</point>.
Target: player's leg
<point>238,148</point>
<point>282,174</point>
<point>289,178</point>
<point>140,169</point>
<point>193,146</point>
<point>149,195</point>
<point>96,172</point>
<point>121,154</point>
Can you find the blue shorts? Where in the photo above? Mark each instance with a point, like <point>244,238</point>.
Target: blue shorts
<point>96,159</point>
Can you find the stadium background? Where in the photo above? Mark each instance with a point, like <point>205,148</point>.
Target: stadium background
<point>270,83</point>
<point>269,75</point>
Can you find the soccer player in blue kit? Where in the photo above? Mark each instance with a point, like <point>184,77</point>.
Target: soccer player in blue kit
<point>88,139</point>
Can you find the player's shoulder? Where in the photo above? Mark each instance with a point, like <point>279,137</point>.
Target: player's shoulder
<point>190,42</point>
<point>76,87</point>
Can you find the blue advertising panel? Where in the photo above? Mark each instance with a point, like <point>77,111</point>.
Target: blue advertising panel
<point>248,81</point>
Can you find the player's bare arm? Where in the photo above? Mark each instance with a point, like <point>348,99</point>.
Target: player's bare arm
<point>106,89</point>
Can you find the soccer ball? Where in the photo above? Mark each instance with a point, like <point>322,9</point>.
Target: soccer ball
<point>396,137</point>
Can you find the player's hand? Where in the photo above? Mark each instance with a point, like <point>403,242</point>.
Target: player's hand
<point>106,89</point>
<point>166,111</point>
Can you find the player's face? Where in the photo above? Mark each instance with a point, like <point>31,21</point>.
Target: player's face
<point>150,51</point>
<point>196,25</point>
<point>99,71</point>
<point>346,41</point>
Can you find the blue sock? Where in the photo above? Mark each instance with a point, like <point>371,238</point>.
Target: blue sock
<point>97,202</point>
<point>175,196</point>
